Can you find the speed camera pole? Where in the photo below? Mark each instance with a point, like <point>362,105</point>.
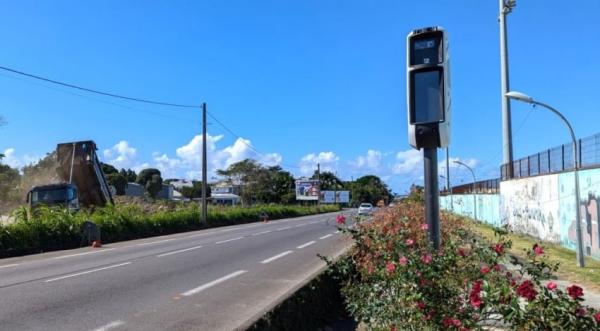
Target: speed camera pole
<point>428,98</point>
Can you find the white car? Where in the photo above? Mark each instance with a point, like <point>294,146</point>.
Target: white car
<point>365,208</point>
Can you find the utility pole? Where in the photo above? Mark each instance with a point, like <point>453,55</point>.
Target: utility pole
<point>448,187</point>
<point>319,181</point>
<point>506,7</point>
<point>204,170</point>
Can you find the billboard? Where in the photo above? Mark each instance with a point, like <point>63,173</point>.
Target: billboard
<point>328,196</point>
<point>307,189</point>
<point>342,196</point>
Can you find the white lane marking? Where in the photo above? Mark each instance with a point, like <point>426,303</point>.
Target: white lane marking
<point>87,272</point>
<point>200,234</point>
<point>9,265</point>
<point>179,251</point>
<point>305,245</point>
<point>299,225</point>
<point>228,240</point>
<point>80,254</point>
<point>259,233</point>
<point>156,242</point>
<point>284,228</point>
<point>338,231</point>
<point>273,258</point>
<point>213,283</point>
<point>325,236</point>
<point>110,325</point>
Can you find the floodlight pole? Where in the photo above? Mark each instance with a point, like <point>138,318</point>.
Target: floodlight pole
<point>204,170</point>
<point>432,198</point>
<point>507,147</point>
<point>528,99</point>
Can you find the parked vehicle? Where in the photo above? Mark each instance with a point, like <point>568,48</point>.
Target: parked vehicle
<point>82,180</point>
<point>365,208</point>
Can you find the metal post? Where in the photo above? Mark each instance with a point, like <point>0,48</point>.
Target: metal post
<point>319,180</point>
<point>507,148</point>
<point>448,177</point>
<point>432,198</point>
<point>72,163</point>
<point>204,168</point>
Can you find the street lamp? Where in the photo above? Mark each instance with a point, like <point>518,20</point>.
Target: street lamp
<point>527,99</point>
<point>473,185</point>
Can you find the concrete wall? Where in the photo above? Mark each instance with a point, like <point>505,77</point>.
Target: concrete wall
<point>541,206</point>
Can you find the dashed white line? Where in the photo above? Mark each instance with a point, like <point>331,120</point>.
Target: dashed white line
<point>200,234</point>
<point>273,258</point>
<point>284,228</point>
<point>179,251</point>
<point>86,272</point>
<point>325,236</point>
<point>156,242</point>
<point>9,265</point>
<point>338,231</point>
<point>228,240</point>
<point>213,283</point>
<point>110,325</point>
<point>259,233</point>
<point>305,245</point>
<point>299,225</point>
<point>80,254</point>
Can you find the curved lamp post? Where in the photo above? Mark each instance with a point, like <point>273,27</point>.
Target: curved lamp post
<point>474,193</point>
<point>527,99</point>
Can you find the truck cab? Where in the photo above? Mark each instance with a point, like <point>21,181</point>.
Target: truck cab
<point>63,194</point>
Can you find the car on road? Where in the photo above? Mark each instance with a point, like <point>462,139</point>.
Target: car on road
<point>365,208</point>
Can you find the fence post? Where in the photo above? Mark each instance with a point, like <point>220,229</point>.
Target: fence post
<point>579,154</point>
<point>562,147</point>
<point>539,161</point>
<point>549,163</point>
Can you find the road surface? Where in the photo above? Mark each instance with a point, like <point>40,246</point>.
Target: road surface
<point>215,279</point>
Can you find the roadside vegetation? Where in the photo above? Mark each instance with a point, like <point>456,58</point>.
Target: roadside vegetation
<point>46,229</point>
<point>394,280</point>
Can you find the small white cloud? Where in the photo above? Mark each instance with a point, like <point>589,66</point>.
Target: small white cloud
<point>17,162</point>
<point>121,155</point>
<point>327,160</point>
<point>407,162</point>
<point>371,161</point>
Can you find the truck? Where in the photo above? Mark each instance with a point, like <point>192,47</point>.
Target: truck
<point>82,182</point>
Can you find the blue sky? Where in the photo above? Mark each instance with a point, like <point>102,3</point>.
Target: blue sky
<point>301,81</point>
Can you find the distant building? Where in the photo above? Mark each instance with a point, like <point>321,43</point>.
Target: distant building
<point>224,193</point>
<point>137,190</point>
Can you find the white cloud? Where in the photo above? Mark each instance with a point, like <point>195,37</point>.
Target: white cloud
<point>408,162</point>
<point>17,162</point>
<point>371,161</point>
<point>327,160</point>
<point>121,155</point>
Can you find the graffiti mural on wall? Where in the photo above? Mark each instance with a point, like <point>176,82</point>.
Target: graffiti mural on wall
<point>487,206</point>
<point>590,211</point>
<point>531,206</point>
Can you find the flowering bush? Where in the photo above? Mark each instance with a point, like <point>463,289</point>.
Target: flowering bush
<point>395,280</point>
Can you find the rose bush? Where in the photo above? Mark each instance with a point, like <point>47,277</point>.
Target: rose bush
<point>394,279</point>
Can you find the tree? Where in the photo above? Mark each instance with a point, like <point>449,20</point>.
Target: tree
<point>194,191</point>
<point>245,173</point>
<point>9,188</point>
<point>370,189</point>
<point>151,180</point>
<point>329,181</point>
<point>108,169</point>
<point>129,174</point>
<point>118,181</point>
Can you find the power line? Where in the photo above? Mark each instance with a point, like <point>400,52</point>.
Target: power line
<point>96,91</point>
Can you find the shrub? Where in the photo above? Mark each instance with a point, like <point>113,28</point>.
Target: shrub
<point>395,280</point>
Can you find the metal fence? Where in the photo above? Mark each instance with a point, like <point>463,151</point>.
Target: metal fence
<point>489,186</point>
<point>555,160</point>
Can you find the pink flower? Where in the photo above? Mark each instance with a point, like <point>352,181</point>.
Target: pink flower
<point>527,290</point>
<point>426,258</point>
<point>461,252</point>
<point>424,226</point>
<point>538,250</point>
<point>551,286</point>
<point>581,312</point>
<point>390,267</point>
<point>597,317</point>
<point>485,269</point>
<point>499,248</point>
<point>340,219</point>
<point>409,242</point>
<point>403,261</point>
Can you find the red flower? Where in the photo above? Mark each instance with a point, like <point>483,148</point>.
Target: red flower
<point>426,258</point>
<point>424,226</point>
<point>538,250</point>
<point>393,328</point>
<point>597,317</point>
<point>390,267</point>
<point>499,248</point>
<point>551,286</point>
<point>421,305</point>
<point>575,291</point>
<point>461,252</point>
<point>527,290</point>
<point>403,261</point>
<point>581,312</point>
<point>497,267</point>
<point>474,297</point>
<point>409,242</point>
<point>485,269</point>
<point>340,219</point>
<point>456,322</point>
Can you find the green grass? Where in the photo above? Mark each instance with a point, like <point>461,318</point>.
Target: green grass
<point>568,269</point>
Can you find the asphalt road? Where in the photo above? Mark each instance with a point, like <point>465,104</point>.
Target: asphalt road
<point>215,279</point>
